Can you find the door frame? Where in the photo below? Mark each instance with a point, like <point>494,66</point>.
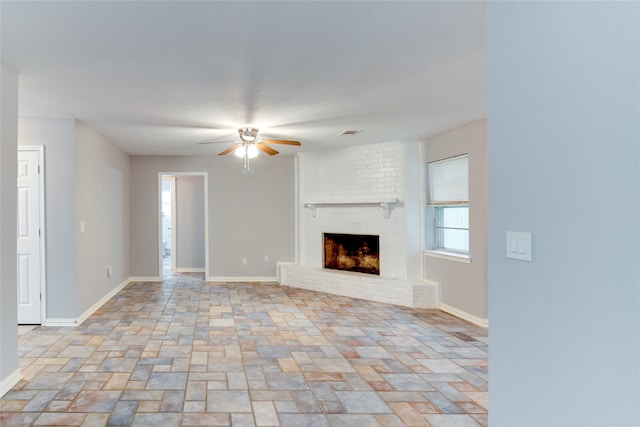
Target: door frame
<point>174,232</point>
<point>43,228</point>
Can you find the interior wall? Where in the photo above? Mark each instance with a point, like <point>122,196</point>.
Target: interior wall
<point>250,215</point>
<point>102,203</point>
<point>564,164</point>
<point>8,209</point>
<point>58,138</point>
<point>190,230</point>
<point>463,286</point>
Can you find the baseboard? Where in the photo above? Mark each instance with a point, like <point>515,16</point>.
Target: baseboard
<point>189,270</point>
<point>241,279</point>
<point>11,380</point>
<point>58,321</point>
<point>145,279</point>
<point>71,322</point>
<point>465,316</point>
<point>84,316</point>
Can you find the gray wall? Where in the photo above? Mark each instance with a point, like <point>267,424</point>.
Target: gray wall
<point>464,286</point>
<point>8,250</point>
<point>189,232</point>
<point>250,216</point>
<point>58,138</point>
<point>564,164</point>
<point>102,191</point>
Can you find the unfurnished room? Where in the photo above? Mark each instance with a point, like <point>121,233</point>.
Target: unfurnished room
<point>309,213</point>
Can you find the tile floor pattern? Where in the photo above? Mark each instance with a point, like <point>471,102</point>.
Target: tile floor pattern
<point>188,352</point>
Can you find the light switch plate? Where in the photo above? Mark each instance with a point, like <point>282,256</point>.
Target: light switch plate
<point>519,245</point>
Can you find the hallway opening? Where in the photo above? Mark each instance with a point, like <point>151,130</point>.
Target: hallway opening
<point>183,223</point>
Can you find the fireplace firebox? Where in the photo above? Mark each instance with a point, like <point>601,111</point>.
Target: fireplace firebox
<point>352,252</point>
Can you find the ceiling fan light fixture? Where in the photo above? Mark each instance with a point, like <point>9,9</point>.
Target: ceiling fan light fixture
<point>252,151</point>
<point>239,152</point>
<point>249,149</point>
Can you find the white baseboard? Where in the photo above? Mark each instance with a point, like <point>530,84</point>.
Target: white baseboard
<point>241,279</point>
<point>71,322</point>
<point>145,279</point>
<point>84,316</point>
<point>189,270</point>
<point>11,380</point>
<point>60,321</point>
<point>465,316</point>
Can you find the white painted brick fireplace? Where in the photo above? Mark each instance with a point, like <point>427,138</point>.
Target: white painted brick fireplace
<point>352,191</point>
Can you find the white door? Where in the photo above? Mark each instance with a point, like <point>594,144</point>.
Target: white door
<point>29,263</point>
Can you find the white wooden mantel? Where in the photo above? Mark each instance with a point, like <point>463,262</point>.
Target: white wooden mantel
<point>386,204</point>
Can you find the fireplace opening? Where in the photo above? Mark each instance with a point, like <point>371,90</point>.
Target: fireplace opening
<point>352,252</point>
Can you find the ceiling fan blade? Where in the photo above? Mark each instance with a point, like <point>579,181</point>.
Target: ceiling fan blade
<point>228,150</point>
<point>280,141</point>
<point>265,148</point>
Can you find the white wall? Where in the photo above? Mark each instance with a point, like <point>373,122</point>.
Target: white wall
<point>564,164</point>
<point>102,196</point>
<point>8,209</point>
<point>58,138</point>
<point>464,286</point>
<point>190,230</point>
<point>250,216</point>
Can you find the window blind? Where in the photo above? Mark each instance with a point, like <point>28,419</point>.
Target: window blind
<point>449,181</point>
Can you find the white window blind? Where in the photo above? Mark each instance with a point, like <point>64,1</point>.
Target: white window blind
<point>449,181</point>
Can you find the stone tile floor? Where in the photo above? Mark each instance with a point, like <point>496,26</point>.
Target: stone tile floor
<point>188,352</point>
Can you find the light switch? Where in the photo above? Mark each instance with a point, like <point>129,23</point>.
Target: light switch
<point>513,245</point>
<point>82,226</point>
<point>519,245</point>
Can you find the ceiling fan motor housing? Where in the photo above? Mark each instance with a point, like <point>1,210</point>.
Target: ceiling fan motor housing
<point>248,134</point>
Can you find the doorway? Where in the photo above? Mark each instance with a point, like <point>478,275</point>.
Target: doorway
<point>167,213</point>
<point>30,236</point>
<point>183,223</point>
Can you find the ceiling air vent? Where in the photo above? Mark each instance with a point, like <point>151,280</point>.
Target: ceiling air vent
<point>349,132</point>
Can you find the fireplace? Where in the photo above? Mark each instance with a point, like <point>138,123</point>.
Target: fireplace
<point>352,252</point>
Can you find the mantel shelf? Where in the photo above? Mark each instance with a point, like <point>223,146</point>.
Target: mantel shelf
<point>386,204</point>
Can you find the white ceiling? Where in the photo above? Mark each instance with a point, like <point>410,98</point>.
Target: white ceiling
<point>159,77</point>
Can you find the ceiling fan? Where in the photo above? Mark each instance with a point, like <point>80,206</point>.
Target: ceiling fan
<point>249,145</point>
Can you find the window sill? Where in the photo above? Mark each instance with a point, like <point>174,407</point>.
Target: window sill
<point>451,256</point>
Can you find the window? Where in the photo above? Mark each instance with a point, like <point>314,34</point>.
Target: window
<point>449,205</point>
<point>452,228</point>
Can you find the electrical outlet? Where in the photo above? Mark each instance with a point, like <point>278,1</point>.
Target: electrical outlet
<point>266,258</point>
<point>109,270</point>
<point>244,261</point>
